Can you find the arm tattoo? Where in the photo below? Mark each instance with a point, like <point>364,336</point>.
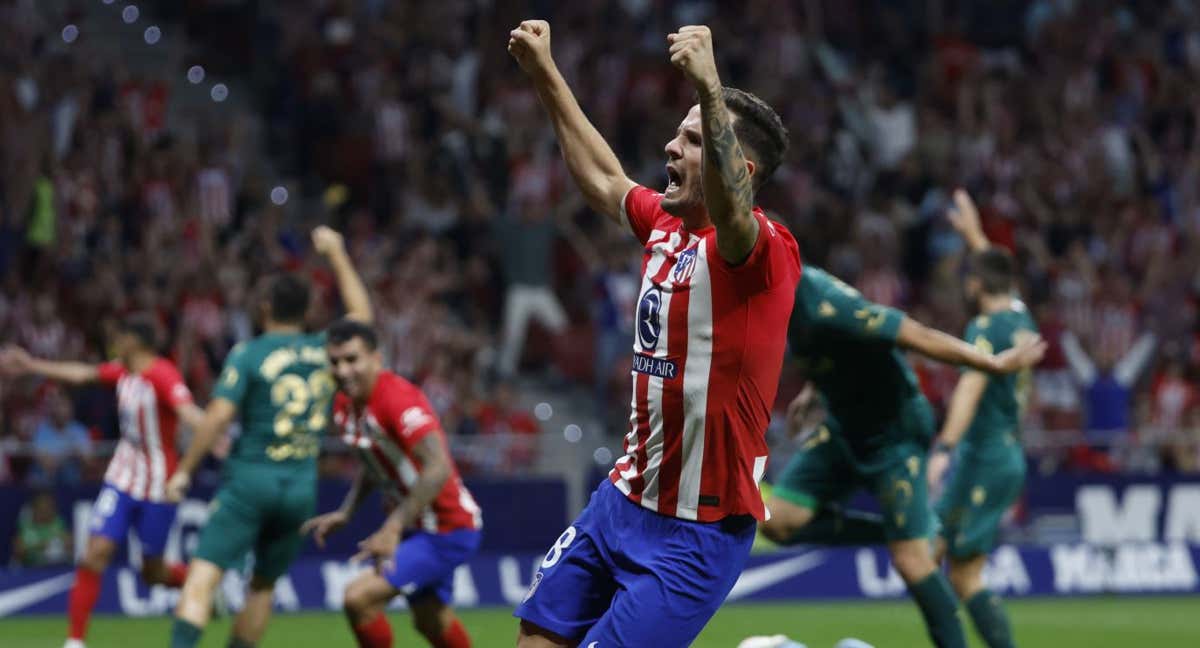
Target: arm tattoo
<point>724,155</point>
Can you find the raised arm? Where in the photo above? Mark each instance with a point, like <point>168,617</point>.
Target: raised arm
<point>17,361</point>
<point>590,160</point>
<point>951,350</point>
<point>965,219</point>
<point>329,244</point>
<point>728,192</point>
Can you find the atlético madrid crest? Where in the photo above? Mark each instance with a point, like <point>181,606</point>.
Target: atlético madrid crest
<point>685,266</point>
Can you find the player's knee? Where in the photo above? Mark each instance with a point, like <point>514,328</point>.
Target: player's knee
<point>153,573</point>
<point>912,560</point>
<point>98,554</point>
<point>357,599</point>
<point>429,626</point>
<point>965,579</point>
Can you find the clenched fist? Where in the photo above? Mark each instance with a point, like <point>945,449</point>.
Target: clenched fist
<point>529,43</point>
<point>692,51</point>
<point>327,241</point>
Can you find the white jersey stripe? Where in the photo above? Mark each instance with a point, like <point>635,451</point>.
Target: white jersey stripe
<point>154,451</point>
<point>695,387</point>
<point>654,385</point>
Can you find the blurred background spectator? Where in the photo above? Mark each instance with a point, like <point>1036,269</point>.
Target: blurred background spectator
<point>42,537</point>
<point>126,184</point>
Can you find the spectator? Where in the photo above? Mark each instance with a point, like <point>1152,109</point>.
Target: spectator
<point>513,431</point>
<point>42,537</point>
<point>61,444</point>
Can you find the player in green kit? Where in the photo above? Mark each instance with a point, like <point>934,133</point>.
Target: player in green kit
<point>279,387</point>
<point>874,436</point>
<point>981,431</point>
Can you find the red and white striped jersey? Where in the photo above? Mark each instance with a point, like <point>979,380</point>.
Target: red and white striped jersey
<point>146,404</point>
<point>385,432</point>
<point>708,347</point>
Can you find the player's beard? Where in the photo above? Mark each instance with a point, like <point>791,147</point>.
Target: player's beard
<point>687,200</point>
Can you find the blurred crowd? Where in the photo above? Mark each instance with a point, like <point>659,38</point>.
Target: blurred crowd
<point>406,124</point>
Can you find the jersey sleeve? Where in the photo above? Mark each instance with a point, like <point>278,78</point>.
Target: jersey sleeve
<point>234,378</point>
<point>774,260</point>
<point>169,386</point>
<point>639,211</point>
<point>109,373</point>
<point>411,419</point>
<point>842,307</point>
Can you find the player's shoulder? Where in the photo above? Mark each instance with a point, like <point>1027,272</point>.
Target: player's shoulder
<point>394,393</point>
<point>163,369</point>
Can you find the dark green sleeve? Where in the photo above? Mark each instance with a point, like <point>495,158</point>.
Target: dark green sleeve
<point>842,307</point>
<point>234,378</point>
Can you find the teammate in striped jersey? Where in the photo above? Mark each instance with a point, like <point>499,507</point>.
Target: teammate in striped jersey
<point>395,432</point>
<point>666,535</point>
<point>151,400</point>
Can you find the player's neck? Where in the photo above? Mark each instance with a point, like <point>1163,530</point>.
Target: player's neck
<point>989,304</point>
<point>280,327</point>
<point>360,403</point>
<point>139,362</point>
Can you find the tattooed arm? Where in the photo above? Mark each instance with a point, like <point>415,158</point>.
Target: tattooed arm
<point>728,193</point>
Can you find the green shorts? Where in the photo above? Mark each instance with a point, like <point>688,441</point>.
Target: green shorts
<point>827,471</point>
<point>983,487</point>
<point>259,510</point>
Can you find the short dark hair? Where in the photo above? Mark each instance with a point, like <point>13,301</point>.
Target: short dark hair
<point>995,269</point>
<point>142,327</point>
<point>288,295</point>
<point>346,329</point>
<point>759,130</point>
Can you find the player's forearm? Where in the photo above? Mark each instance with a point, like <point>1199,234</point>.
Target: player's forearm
<point>359,489</point>
<point>589,159</point>
<point>963,404</point>
<point>421,495</point>
<point>944,347</point>
<point>350,284</point>
<point>74,373</point>
<point>976,240</point>
<point>728,194</point>
<point>205,435</point>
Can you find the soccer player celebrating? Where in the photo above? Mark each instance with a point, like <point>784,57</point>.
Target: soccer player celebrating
<point>981,428</point>
<point>151,400</point>
<point>874,436</point>
<point>665,536</point>
<point>279,386</point>
<point>434,525</point>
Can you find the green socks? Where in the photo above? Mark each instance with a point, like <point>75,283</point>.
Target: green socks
<point>184,634</point>
<point>940,609</point>
<point>991,621</point>
<point>838,527</point>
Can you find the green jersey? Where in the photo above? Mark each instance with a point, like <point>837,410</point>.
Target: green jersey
<point>847,347</point>
<point>999,411</point>
<point>281,385</point>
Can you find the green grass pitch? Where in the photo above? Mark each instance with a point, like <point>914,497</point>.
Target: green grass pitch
<point>1070,623</point>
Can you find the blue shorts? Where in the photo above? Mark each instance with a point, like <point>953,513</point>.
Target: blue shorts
<point>424,563</point>
<point>116,512</point>
<point>623,575</point>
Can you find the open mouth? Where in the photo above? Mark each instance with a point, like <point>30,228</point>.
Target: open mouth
<point>673,180</point>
